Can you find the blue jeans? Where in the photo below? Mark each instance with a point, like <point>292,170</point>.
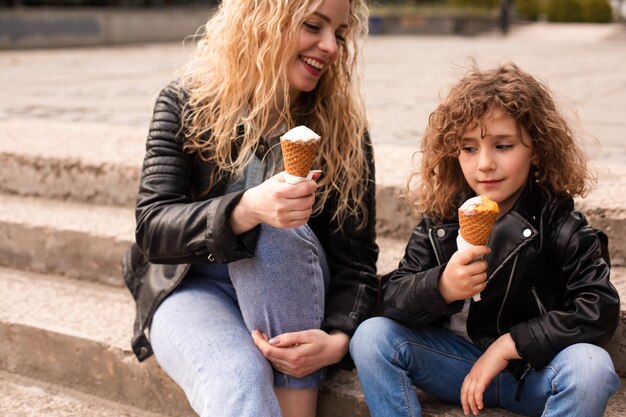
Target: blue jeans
<point>391,358</point>
<point>201,333</point>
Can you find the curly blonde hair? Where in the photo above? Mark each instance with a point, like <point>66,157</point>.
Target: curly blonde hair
<point>237,75</point>
<point>561,165</point>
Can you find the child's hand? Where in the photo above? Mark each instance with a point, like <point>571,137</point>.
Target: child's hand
<point>487,367</point>
<point>465,274</point>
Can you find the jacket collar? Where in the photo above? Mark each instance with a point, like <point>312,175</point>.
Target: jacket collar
<point>515,230</point>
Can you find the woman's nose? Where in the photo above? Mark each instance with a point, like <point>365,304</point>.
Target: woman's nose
<point>328,44</point>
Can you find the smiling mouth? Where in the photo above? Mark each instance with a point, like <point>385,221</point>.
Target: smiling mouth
<point>312,63</point>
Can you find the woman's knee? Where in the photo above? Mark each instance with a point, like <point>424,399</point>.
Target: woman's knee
<point>287,241</point>
<point>281,253</point>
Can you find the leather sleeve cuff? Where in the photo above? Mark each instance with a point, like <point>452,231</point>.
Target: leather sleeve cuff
<point>528,344</point>
<point>226,247</point>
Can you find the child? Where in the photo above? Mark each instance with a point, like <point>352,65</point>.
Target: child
<point>531,344</point>
<point>247,287</point>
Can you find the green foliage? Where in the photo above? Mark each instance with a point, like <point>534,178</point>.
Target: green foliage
<point>598,11</point>
<point>529,9</point>
<point>564,10</point>
<point>579,11</point>
<point>480,4</point>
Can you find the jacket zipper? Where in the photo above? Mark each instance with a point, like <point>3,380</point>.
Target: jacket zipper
<point>506,294</point>
<point>520,384</point>
<point>432,243</point>
<point>542,309</point>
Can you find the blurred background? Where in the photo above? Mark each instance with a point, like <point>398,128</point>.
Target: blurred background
<point>43,23</point>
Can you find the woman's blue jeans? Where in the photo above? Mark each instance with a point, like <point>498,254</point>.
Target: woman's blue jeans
<point>392,358</point>
<point>201,333</point>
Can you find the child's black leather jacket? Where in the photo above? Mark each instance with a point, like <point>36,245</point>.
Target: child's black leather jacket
<point>177,225</point>
<point>546,300</point>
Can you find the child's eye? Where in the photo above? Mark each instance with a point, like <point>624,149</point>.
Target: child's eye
<point>468,149</point>
<point>340,38</point>
<point>503,146</point>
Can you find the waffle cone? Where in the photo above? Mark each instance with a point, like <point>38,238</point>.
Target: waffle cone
<point>476,228</point>
<point>298,156</point>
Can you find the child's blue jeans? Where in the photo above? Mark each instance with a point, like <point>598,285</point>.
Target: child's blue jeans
<point>201,333</point>
<point>391,358</point>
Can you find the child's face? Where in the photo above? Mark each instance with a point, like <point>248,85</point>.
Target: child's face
<point>318,45</point>
<point>498,163</point>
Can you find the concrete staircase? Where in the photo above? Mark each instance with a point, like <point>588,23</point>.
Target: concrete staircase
<point>66,217</point>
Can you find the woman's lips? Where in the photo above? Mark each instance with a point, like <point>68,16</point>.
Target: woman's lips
<point>312,66</point>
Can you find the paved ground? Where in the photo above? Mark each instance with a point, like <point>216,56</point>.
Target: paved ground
<point>109,91</point>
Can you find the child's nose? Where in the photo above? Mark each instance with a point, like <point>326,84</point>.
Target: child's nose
<point>486,161</point>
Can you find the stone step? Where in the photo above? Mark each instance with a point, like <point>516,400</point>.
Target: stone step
<point>75,239</point>
<point>26,397</point>
<point>85,241</point>
<point>75,335</point>
<point>105,170</point>
<point>74,161</point>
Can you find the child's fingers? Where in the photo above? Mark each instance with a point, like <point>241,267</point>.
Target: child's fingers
<point>472,254</point>
<point>478,399</point>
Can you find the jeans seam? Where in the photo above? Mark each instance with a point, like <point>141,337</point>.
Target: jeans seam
<point>403,379</point>
<point>554,389</point>
<point>198,369</point>
<point>427,347</point>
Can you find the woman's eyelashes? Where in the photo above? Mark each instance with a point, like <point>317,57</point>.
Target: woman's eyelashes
<point>312,27</point>
<point>316,28</point>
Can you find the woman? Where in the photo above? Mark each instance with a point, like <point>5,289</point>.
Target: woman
<point>246,286</point>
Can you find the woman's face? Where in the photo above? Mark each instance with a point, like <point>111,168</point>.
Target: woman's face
<point>318,45</point>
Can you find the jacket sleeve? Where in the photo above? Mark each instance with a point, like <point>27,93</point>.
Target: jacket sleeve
<point>352,253</point>
<point>172,228</point>
<point>411,293</point>
<point>591,304</point>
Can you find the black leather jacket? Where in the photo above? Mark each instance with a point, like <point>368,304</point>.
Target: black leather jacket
<point>179,224</point>
<point>547,300</point>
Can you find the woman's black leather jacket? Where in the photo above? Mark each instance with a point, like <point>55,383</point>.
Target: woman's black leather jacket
<point>547,296</point>
<point>179,224</point>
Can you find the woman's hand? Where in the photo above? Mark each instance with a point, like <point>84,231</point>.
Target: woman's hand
<point>465,274</point>
<point>301,353</point>
<point>275,202</point>
<point>487,367</point>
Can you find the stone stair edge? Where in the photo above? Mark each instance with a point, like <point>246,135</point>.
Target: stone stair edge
<point>28,173</point>
<point>23,396</point>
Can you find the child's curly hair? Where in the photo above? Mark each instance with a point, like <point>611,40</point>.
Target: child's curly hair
<point>561,169</point>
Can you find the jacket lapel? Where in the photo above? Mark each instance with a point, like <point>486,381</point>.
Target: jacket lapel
<point>510,235</point>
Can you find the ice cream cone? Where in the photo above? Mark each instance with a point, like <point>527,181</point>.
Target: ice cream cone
<point>299,147</point>
<point>476,219</point>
